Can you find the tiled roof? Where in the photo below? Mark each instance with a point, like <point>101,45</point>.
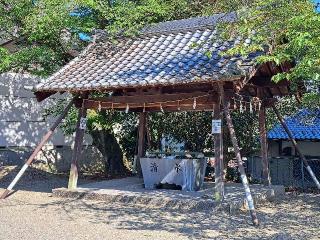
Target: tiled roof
<point>305,125</point>
<point>170,53</point>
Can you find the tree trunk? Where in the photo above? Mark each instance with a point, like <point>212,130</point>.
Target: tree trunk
<point>109,147</point>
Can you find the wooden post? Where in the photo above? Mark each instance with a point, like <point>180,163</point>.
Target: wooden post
<point>80,130</point>
<point>226,107</point>
<point>37,149</point>
<point>141,141</point>
<point>264,146</point>
<point>294,143</point>
<point>218,153</point>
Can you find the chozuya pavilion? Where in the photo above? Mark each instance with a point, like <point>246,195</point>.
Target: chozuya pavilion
<point>167,68</point>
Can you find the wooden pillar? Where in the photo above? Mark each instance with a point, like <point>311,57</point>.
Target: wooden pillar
<point>264,146</point>
<point>218,153</point>
<point>226,107</point>
<point>80,130</point>
<point>141,141</point>
<point>37,149</point>
<point>295,145</point>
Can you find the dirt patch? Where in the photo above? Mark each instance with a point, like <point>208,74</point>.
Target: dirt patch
<point>32,213</point>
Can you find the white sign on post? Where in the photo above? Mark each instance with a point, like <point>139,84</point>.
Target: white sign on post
<point>83,123</point>
<point>216,126</point>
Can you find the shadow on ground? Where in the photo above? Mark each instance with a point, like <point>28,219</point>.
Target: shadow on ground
<point>34,180</point>
<point>296,217</point>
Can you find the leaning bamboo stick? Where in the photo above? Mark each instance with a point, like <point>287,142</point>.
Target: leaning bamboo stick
<point>37,149</point>
<point>244,179</point>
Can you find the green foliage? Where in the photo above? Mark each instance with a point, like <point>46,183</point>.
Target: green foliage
<point>39,60</point>
<point>191,128</point>
<point>127,17</point>
<point>287,30</point>
<point>46,36</point>
<point>5,59</point>
<point>46,27</point>
<point>36,30</point>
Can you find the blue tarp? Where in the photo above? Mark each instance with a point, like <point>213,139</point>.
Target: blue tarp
<point>317,3</point>
<point>81,13</point>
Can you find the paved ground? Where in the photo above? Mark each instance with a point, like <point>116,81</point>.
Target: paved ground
<point>130,190</point>
<point>32,213</point>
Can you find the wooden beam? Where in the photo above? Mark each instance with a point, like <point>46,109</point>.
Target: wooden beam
<point>141,141</point>
<point>264,146</point>
<point>152,98</point>
<point>140,102</point>
<point>244,179</point>
<point>269,102</point>
<point>295,145</point>
<point>174,101</point>
<point>202,86</point>
<point>218,154</point>
<point>275,91</point>
<point>40,96</point>
<point>80,130</point>
<point>261,81</point>
<point>170,107</point>
<point>199,107</point>
<point>38,149</point>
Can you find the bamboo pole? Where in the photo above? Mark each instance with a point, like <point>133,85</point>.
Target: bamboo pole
<point>294,143</point>
<point>218,153</point>
<point>80,130</point>
<point>141,141</point>
<point>226,106</point>
<point>38,149</point>
<point>264,146</point>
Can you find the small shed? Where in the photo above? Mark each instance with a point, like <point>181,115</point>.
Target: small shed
<point>286,167</point>
<point>285,164</point>
<point>305,128</point>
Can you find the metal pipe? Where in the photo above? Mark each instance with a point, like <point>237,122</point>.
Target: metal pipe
<point>37,150</point>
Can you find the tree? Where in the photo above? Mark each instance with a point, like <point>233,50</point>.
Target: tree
<point>46,33</point>
<point>285,31</point>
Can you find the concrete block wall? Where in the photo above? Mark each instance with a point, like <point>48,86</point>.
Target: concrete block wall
<point>22,126</point>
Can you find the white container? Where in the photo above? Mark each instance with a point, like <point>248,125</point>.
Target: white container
<point>187,173</point>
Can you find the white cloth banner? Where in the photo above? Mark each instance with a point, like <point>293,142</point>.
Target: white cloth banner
<point>187,173</point>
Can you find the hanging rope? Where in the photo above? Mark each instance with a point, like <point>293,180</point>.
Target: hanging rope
<point>238,100</point>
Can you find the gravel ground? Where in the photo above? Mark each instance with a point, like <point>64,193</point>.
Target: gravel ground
<point>32,213</point>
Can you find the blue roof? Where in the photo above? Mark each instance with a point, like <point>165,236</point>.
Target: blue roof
<point>305,125</point>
